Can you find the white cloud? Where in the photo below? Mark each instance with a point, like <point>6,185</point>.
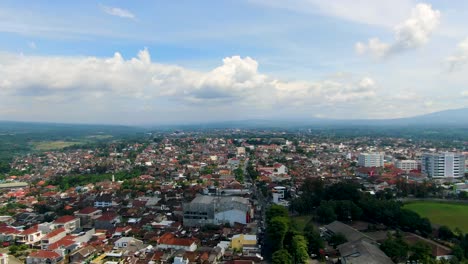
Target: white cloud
<point>460,57</point>
<point>116,11</point>
<point>464,93</point>
<point>86,81</point>
<point>412,33</point>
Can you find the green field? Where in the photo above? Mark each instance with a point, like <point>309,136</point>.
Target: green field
<point>452,215</point>
<point>51,145</point>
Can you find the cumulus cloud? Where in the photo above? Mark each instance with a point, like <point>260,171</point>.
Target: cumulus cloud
<point>237,81</point>
<point>460,57</point>
<point>412,33</point>
<point>116,11</point>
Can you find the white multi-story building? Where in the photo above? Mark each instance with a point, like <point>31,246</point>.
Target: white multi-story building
<point>443,165</point>
<point>407,165</point>
<point>205,210</point>
<point>371,159</point>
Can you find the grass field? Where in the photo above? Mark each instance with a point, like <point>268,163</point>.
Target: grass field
<point>51,145</point>
<point>452,215</point>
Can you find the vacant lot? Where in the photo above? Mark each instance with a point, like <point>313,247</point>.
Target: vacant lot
<point>452,215</point>
<point>51,145</point>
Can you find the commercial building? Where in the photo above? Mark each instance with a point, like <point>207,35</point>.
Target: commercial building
<point>204,210</point>
<point>443,165</point>
<point>407,165</point>
<point>371,159</point>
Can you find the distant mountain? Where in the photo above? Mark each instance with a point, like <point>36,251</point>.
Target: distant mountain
<point>448,118</point>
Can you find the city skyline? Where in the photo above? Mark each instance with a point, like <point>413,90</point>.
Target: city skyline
<point>158,62</point>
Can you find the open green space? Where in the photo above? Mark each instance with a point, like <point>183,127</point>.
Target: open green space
<point>51,145</point>
<point>453,215</point>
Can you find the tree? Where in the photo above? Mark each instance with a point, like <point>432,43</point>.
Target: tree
<point>396,248</point>
<point>276,210</point>
<point>326,213</point>
<point>276,231</point>
<point>347,210</point>
<point>299,249</point>
<point>445,233</point>
<point>337,239</point>
<point>420,252</point>
<point>281,256</point>
<point>314,241</point>
<point>343,191</point>
<point>4,167</point>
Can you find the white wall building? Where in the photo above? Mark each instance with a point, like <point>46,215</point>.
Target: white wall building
<point>375,159</point>
<point>443,165</point>
<point>205,210</point>
<point>407,165</point>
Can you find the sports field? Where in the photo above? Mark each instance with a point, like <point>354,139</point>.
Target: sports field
<point>52,145</point>
<point>452,215</point>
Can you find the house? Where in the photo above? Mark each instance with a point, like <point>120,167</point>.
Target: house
<point>362,251</point>
<point>241,241</point>
<point>88,215</point>
<point>8,233</point>
<point>44,257</point>
<point>107,221</point>
<point>103,200</point>
<point>81,255</point>
<point>30,236</point>
<point>205,210</point>
<point>125,242</point>
<point>53,237</point>
<point>70,223</point>
<point>170,241</point>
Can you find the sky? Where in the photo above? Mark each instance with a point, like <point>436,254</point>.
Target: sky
<point>182,61</point>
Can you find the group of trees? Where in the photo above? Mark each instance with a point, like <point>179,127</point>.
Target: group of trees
<point>344,201</point>
<point>65,182</point>
<point>287,244</point>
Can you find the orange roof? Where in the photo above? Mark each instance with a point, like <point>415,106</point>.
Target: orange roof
<point>170,239</point>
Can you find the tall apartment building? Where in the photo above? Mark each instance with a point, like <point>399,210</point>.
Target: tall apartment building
<point>443,165</point>
<point>407,165</point>
<point>371,159</point>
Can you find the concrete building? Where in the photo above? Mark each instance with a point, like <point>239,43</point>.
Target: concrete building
<point>375,159</point>
<point>240,241</point>
<point>443,165</point>
<point>407,165</point>
<point>204,210</point>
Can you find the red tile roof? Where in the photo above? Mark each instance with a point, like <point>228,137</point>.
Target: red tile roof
<point>64,242</point>
<point>30,230</point>
<point>65,219</point>
<point>9,230</point>
<point>88,210</point>
<point>45,254</point>
<point>55,232</point>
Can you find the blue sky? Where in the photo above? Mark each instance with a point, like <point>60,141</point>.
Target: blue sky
<point>149,62</point>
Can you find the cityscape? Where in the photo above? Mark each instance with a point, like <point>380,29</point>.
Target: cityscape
<point>233,132</point>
